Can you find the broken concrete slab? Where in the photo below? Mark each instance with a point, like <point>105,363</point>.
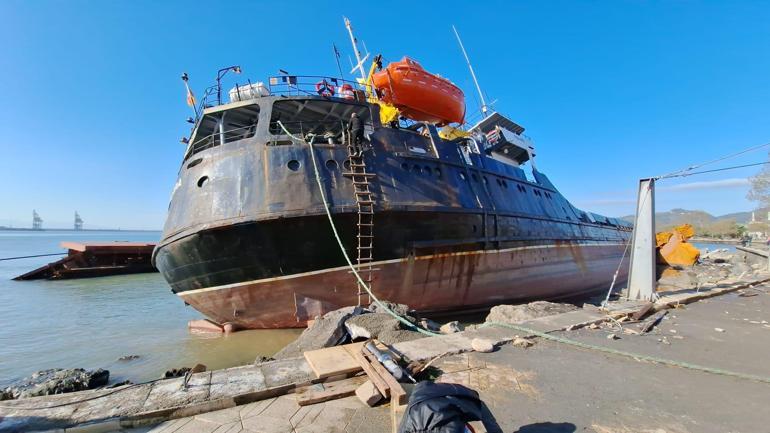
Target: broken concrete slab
<point>326,331</point>
<point>236,380</point>
<point>170,393</point>
<point>371,325</point>
<point>391,337</point>
<point>285,371</point>
<point>521,313</point>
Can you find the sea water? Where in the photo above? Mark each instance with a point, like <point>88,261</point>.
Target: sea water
<point>92,322</point>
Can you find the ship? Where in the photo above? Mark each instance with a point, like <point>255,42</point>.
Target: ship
<point>279,215</point>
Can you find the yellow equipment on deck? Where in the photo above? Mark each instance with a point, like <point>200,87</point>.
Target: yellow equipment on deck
<point>673,248</point>
<point>451,133</point>
<point>388,113</point>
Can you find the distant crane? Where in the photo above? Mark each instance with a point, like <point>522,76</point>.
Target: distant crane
<point>78,222</point>
<point>37,222</point>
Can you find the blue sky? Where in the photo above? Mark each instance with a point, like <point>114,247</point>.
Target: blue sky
<point>93,108</point>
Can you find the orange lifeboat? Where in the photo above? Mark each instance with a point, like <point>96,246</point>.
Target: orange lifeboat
<point>420,95</point>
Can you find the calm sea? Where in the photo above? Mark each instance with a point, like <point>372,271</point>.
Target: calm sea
<point>90,323</point>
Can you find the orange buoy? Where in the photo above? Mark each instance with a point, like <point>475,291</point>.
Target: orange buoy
<point>420,95</point>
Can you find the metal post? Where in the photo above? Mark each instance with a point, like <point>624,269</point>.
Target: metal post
<point>641,282</point>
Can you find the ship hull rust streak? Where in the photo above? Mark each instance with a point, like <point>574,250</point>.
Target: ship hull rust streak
<point>429,284</point>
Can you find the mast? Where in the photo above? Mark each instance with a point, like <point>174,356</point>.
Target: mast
<point>353,41</point>
<point>473,74</point>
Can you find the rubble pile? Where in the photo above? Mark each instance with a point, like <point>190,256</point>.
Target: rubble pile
<point>356,324</point>
<point>513,314</point>
<point>714,267</point>
<point>55,381</point>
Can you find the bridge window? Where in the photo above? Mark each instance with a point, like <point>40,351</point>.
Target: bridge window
<point>223,127</point>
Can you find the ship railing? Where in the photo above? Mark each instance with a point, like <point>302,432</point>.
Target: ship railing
<point>317,85</point>
<point>291,85</point>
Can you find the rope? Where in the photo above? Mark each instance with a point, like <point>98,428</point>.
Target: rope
<point>29,257</point>
<point>339,241</point>
<point>637,356</point>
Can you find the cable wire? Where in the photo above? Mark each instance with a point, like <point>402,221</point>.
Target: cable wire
<point>693,167</point>
<point>28,257</point>
<point>734,167</point>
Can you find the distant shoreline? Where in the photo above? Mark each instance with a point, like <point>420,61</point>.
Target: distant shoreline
<point>19,229</point>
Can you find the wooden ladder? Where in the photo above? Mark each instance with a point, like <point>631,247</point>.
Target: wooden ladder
<point>365,225</point>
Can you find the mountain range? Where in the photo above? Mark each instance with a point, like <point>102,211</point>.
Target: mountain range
<point>676,217</point>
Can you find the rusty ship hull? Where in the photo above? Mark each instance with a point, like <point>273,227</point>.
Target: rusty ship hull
<point>457,224</point>
<point>439,283</point>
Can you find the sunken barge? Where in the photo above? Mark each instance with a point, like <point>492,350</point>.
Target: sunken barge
<point>441,219</point>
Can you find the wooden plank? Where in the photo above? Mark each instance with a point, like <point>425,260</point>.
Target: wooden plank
<point>321,392</point>
<point>650,323</point>
<point>376,379</point>
<point>643,311</point>
<point>332,361</point>
<point>397,393</point>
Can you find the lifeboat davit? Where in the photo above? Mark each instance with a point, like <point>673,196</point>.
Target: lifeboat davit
<point>420,95</point>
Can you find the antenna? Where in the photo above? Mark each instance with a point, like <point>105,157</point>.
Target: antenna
<point>359,66</point>
<point>337,58</point>
<point>473,74</point>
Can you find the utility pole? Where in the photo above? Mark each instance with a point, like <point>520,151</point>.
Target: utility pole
<point>641,281</point>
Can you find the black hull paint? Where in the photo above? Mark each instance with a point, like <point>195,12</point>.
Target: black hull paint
<point>257,250</point>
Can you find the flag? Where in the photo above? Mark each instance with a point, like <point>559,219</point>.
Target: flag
<point>190,96</point>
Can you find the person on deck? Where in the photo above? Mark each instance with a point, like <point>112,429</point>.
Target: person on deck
<point>356,132</point>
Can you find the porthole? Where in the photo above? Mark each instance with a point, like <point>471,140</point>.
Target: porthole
<point>499,182</point>
<point>438,172</point>
<point>405,166</point>
<point>332,165</point>
<point>462,175</point>
<point>346,164</point>
<point>505,184</point>
<point>475,178</point>
<point>486,181</point>
<point>293,165</point>
<point>417,169</point>
<point>202,181</point>
<point>428,171</point>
